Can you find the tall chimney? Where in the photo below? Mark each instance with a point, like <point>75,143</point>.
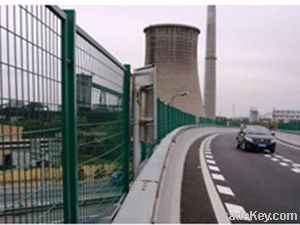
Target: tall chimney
<point>210,64</point>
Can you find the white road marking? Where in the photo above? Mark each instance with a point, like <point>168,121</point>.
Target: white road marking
<point>237,210</point>
<point>274,159</point>
<point>283,164</point>
<point>214,168</point>
<point>296,164</point>
<point>209,156</point>
<point>286,160</point>
<point>296,170</point>
<point>217,176</point>
<point>288,145</point>
<point>211,161</point>
<point>278,156</point>
<point>217,204</point>
<point>267,155</point>
<point>224,190</point>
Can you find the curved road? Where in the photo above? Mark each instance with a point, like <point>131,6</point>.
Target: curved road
<point>257,182</point>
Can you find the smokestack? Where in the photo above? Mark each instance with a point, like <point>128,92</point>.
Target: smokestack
<point>210,64</point>
<point>173,50</point>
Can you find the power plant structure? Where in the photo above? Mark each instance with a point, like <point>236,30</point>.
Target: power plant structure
<point>210,64</point>
<point>173,50</point>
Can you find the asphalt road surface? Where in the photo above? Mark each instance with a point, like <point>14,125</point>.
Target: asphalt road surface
<point>247,184</point>
<point>258,182</point>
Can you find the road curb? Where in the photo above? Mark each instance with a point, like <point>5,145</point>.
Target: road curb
<point>288,143</point>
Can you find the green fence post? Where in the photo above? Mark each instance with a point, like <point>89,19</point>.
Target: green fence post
<point>70,175</point>
<point>126,121</point>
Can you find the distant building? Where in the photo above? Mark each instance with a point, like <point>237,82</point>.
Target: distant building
<point>286,116</point>
<point>253,115</point>
<point>84,91</point>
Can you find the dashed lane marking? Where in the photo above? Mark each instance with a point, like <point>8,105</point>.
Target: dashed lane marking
<point>296,170</point>
<point>224,190</point>
<point>214,168</point>
<point>275,159</point>
<point>217,204</point>
<point>286,160</point>
<point>211,161</point>
<point>237,210</point>
<point>209,156</point>
<point>217,176</point>
<point>283,164</point>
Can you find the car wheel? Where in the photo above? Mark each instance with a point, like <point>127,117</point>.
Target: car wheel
<point>243,146</point>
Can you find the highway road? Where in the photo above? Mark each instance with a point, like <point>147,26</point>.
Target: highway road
<point>46,203</point>
<point>239,184</point>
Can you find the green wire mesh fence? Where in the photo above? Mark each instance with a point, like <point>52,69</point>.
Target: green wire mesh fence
<point>37,180</point>
<point>30,127</point>
<point>291,126</point>
<point>100,130</point>
<point>169,118</point>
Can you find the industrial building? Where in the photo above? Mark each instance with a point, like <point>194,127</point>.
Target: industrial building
<point>285,116</point>
<point>172,48</point>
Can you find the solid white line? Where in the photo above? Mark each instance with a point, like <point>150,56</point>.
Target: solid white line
<point>224,190</point>
<point>296,170</point>
<point>209,156</point>
<point>214,168</point>
<point>217,176</point>
<point>214,197</point>
<point>283,164</point>
<point>237,210</point>
<point>288,145</point>
<point>211,161</point>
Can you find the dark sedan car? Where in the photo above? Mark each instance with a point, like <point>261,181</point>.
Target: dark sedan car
<point>255,138</point>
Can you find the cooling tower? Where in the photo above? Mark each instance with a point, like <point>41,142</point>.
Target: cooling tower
<point>173,50</point>
<point>210,64</point>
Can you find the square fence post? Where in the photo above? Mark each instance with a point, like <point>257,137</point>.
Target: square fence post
<point>69,108</point>
<point>126,122</point>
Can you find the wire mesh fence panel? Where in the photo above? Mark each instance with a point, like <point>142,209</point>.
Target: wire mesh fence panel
<point>100,130</point>
<point>30,116</point>
<point>170,118</point>
<point>291,126</point>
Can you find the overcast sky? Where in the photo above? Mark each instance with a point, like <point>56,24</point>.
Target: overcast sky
<point>258,48</point>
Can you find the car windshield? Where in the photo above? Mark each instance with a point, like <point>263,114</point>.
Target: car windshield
<point>257,130</point>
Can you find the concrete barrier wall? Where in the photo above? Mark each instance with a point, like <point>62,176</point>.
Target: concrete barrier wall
<point>155,195</point>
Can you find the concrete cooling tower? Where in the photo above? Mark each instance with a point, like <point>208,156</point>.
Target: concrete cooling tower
<point>173,50</point>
